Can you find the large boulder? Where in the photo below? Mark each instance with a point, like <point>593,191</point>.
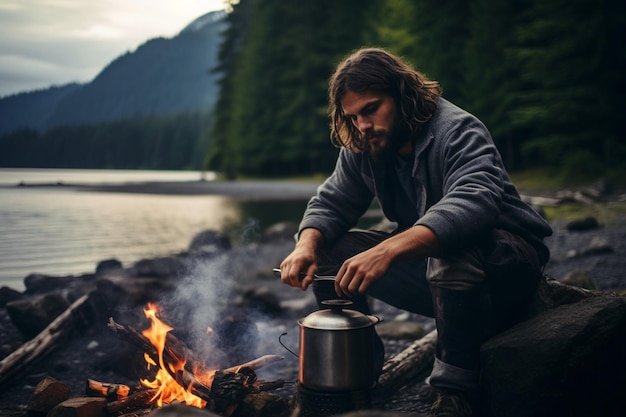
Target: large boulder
<point>566,361</point>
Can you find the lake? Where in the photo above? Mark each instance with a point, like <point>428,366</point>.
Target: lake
<point>60,230</point>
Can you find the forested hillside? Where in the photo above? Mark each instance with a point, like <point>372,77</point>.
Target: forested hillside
<point>163,76</point>
<point>141,142</point>
<point>547,77</point>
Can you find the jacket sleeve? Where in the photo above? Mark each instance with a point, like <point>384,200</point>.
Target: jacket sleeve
<point>341,200</point>
<point>472,184</point>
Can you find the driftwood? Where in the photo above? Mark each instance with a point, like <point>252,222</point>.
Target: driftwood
<point>415,360</point>
<point>43,343</point>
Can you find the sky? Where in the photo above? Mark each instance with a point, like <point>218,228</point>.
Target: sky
<point>55,42</point>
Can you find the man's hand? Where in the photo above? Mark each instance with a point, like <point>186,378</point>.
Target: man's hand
<point>358,273</point>
<point>302,260</point>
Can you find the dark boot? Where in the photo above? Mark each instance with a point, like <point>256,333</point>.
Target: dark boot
<point>453,404</point>
<point>464,322</point>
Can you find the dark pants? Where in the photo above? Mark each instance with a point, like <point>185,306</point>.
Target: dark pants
<point>472,295</point>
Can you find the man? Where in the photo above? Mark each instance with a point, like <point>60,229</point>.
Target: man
<point>467,251</point>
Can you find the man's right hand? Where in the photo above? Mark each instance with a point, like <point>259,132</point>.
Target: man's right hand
<point>302,260</point>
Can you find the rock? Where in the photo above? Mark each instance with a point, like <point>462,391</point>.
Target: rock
<point>163,267</point>
<point>48,394</point>
<point>581,279</point>
<point>31,315</point>
<point>584,224</point>
<point>9,294</point>
<point>208,243</point>
<point>108,265</point>
<point>599,190</point>
<point>597,246</point>
<point>80,407</point>
<point>39,283</point>
<point>566,361</point>
<point>115,289</point>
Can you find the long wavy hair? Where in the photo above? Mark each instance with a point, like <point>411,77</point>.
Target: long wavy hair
<point>374,69</point>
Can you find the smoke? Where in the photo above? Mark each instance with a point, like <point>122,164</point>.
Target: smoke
<point>198,303</point>
<point>226,292</point>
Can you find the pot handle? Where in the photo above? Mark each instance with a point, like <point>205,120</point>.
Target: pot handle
<point>283,345</point>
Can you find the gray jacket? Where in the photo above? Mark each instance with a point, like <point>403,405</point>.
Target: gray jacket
<point>463,190</point>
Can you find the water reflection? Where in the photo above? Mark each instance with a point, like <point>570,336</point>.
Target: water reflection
<point>61,232</point>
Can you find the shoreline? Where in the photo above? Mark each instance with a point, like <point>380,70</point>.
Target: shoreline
<point>245,189</point>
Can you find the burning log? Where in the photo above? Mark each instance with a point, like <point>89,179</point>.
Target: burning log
<point>137,400</point>
<point>43,343</point>
<point>174,352</point>
<point>406,365</point>
<point>106,389</point>
<point>228,389</point>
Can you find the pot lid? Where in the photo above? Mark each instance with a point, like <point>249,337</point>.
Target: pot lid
<point>336,317</point>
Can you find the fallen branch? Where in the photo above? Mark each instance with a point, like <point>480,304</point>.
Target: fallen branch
<point>408,364</point>
<point>43,343</point>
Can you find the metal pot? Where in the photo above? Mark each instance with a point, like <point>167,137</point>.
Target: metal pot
<point>337,348</point>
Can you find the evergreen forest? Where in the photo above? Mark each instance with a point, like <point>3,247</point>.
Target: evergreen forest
<point>546,77</point>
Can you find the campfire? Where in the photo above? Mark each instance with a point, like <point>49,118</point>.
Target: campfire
<point>179,376</point>
<point>167,389</point>
<point>175,374</point>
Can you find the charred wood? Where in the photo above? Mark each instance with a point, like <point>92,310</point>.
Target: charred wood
<point>108,390</point>
<point>136,401</point>
<point>228,389</point>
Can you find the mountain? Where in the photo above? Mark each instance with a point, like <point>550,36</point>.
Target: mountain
<point>162,76</point>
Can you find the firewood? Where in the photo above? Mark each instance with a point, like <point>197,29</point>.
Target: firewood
<point>105,389</point>
<point>257,363</point>
<point>43,343</point>
<point>408,364</point>
<point>269,385</point>
<point>138,400</point>
<point>228,389</point>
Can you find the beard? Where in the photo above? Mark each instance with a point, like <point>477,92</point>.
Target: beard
<point>386,143</point>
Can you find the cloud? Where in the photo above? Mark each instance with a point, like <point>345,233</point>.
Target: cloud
<point>45,42</point>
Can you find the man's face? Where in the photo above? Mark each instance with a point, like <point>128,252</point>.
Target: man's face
<point>375,116</point>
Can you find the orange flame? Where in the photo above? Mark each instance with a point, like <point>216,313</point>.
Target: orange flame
<point>168,390</point>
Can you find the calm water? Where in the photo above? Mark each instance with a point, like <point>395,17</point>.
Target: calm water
<point>61,231</point>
